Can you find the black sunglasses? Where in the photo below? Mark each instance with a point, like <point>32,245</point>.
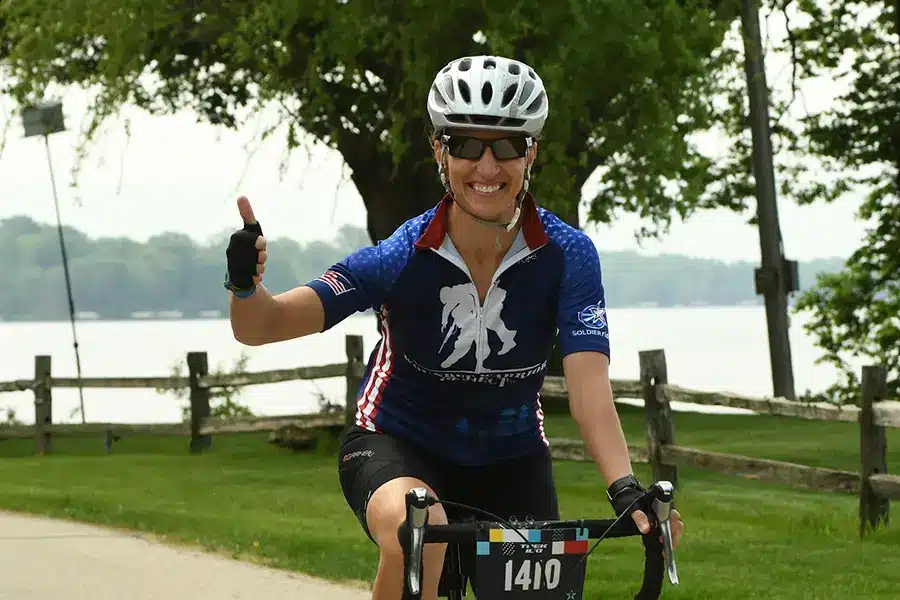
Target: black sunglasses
<point>472,148</point>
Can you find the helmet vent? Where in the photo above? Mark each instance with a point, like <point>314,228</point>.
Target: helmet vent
<point>485,120</point>
<point>490,63</point>
<point>487,92</point>
<point>514,68</point>
<point>465,64</point>
<point>508,94</point>
<point>464,92</point>
<point>438,98</point>
<point>448,88</point>
<point>536,105</point>
<point>527,88</point>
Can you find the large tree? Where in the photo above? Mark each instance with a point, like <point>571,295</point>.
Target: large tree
<point>629,83</point>
<point>850,147</point>
<point>856,312</point>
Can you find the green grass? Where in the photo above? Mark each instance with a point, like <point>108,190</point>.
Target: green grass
<point>830,444</point>
<point>744,540</point>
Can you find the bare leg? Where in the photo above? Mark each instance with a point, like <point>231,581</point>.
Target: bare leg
<point>384,515</point>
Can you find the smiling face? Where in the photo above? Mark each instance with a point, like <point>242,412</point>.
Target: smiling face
<point>487,186</point>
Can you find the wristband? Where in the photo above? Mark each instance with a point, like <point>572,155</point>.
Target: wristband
<point>244,293</point>
<point>238,291</point>
<point>622,494</point>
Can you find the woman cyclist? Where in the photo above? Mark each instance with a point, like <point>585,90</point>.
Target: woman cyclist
<point>470,297</point>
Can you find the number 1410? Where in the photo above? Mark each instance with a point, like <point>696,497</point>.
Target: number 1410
<point>547,573</point>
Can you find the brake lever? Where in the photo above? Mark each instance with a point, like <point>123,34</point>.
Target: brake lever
<point>416,518</point>
<point>662,493</point>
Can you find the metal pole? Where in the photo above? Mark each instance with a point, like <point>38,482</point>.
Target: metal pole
<point>65,261</point>
<point>777,277</point>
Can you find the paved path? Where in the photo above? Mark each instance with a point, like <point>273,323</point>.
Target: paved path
<point>48,559</point>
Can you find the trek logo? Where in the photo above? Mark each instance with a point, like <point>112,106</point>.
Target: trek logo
<point>352,455</point>
<point>593,316</point>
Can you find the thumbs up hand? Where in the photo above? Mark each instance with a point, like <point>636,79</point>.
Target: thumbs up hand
<point>246,253</point>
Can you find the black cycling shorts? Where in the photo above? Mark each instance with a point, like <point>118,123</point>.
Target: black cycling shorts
<point>512,488</point>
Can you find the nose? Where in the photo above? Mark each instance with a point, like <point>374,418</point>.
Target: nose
<point>487,165</point>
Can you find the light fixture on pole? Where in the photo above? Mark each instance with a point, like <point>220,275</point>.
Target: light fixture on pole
<point>46,118</point>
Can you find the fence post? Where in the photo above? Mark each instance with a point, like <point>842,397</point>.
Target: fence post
<point>873,509</point>
<point>353,345</point>
<point>198,366</point>
<point>660,429</point>
<point>43,404</point>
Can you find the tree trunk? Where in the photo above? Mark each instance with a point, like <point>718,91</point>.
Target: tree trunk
<point>389,206</point>
<point>393,194</point>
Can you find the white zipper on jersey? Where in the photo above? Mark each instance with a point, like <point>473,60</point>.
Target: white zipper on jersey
<point>479,367</point>
<point>481,339</point>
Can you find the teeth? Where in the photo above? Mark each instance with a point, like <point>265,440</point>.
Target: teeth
<point>485,189</point>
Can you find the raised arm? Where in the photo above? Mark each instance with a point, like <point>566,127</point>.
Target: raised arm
<point>358,282</point>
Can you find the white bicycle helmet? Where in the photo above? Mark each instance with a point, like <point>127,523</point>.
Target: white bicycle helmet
<point>488,92</point>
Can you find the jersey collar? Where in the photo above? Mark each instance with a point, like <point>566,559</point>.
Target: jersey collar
<point>532,228</point>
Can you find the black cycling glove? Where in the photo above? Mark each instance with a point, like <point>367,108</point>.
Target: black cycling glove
<point>623,493</point>
<point>242,258</point>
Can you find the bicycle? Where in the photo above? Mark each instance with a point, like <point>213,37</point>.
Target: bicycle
<point>546,560</point>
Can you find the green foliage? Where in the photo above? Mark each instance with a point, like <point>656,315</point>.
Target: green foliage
<point>118,276</point>
<point>222,400</point>
<point>326,406</point>
<point>10,420</point>
<point>856,312</point>
<point>170,272</point>
<point>629,83</point>
<point>851,146</point>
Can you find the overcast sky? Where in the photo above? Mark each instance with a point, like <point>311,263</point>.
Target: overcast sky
<point>179,175</point>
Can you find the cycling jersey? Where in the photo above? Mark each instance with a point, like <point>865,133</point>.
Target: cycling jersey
<point>454,374</point>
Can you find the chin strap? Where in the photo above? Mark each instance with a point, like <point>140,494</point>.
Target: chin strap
<point>520,197</point>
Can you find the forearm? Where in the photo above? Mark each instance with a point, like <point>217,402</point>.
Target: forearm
<point>251,317</point>
<point>263,318</point>
<point>591,405</point>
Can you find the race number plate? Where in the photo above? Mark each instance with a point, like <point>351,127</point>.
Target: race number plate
<point>544,568</point>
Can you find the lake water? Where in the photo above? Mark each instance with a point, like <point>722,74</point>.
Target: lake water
<point>707,348</point>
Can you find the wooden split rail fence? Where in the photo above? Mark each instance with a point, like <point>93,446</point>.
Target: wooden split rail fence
<point>875,487</point>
